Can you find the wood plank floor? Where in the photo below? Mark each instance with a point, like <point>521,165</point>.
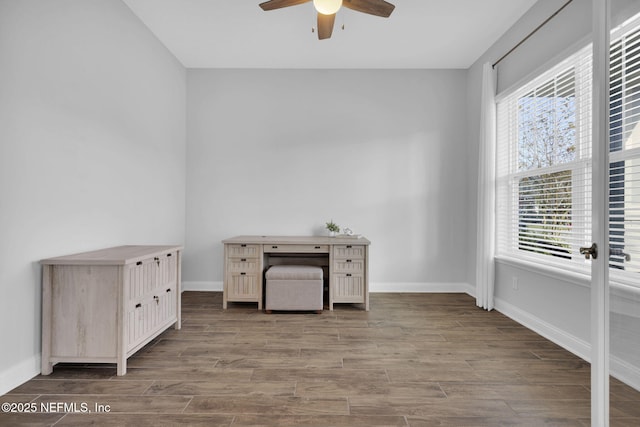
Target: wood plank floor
<point>413,360</point>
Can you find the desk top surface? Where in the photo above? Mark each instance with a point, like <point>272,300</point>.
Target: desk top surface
<point>298,240</point>
<point>119,255</point>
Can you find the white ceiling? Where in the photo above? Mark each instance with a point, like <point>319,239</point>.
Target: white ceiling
<point>238,34</point>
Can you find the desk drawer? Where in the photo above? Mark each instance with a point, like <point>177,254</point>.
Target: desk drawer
<point>348,251</point>
<point>243,251</point>
<point>354,266</point>
<point>275,248</point>
<point>239,265</point>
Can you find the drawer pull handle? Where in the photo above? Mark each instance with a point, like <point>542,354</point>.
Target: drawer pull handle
<point>348,260</point>
<point>274,247</point>
<point>317,247</point>
<point>243,246</point>
<point>168,255</point>
<point>138,305</point>
<point>157,298</point>
<point>348,274</point>
<point>139,263</point>
<point>349,246</point>
<point>243,260</point>
<point>243,274</point>
<point>157,260</point>
<point>168,289</point>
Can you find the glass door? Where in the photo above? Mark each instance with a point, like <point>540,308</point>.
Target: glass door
<point>615,311</point>
<point>624,219</point>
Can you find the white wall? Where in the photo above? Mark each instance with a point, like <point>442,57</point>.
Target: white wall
<point>92,149</point>
<point>283,151</point>
<point>553,303</point>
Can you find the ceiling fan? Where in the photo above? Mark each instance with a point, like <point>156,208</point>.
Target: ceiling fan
<point>327,10</point>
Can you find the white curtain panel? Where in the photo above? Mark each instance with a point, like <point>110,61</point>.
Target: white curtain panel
<point>485,251</point>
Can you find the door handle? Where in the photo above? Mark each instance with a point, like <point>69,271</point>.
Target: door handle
<point>590,252</point>
<point>619,252</point>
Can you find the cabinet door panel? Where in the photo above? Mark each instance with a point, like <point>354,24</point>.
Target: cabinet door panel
<point>165,305</point>
<point>139,322</point>
<point>348,288</point>
<point>243,287</point>
<point>142,278</point>
<point>150,313</point>
<point>167,269</point>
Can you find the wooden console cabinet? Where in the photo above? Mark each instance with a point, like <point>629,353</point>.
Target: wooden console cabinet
<point>246,258</point>
<point>103,306</point>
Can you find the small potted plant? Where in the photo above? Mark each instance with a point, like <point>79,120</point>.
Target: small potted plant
<point>333,228</point>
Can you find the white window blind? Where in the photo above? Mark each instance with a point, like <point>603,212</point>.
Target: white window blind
<point>543,166</point>
<point>624,178</point>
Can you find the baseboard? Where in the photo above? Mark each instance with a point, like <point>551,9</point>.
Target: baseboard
<point>625,372</point>
<point>382,287</point>
<point>202,286</point>
<point>569,342</point>
<point>620,369</point>
<point>19,374</point>
<point>419,287</point>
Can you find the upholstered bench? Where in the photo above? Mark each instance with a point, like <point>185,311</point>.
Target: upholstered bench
<point>293,288</point>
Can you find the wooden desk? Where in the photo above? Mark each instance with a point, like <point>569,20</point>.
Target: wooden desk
<point>346,259</point>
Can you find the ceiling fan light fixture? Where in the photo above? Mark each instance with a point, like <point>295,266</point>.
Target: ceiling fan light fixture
<point>327,7</point>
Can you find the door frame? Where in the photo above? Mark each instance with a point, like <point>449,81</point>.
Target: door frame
<point>601,31</point>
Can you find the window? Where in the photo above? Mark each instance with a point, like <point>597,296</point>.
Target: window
<point>543,165</point>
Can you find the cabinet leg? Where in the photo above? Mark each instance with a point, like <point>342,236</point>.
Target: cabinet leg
<point>47,368</point>
<point>47,318</point>
<point>121,368</point>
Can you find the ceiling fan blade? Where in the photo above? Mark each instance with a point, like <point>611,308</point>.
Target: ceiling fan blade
<point>372,7</point>
<point>279,4</point>
<point>325,25</point>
